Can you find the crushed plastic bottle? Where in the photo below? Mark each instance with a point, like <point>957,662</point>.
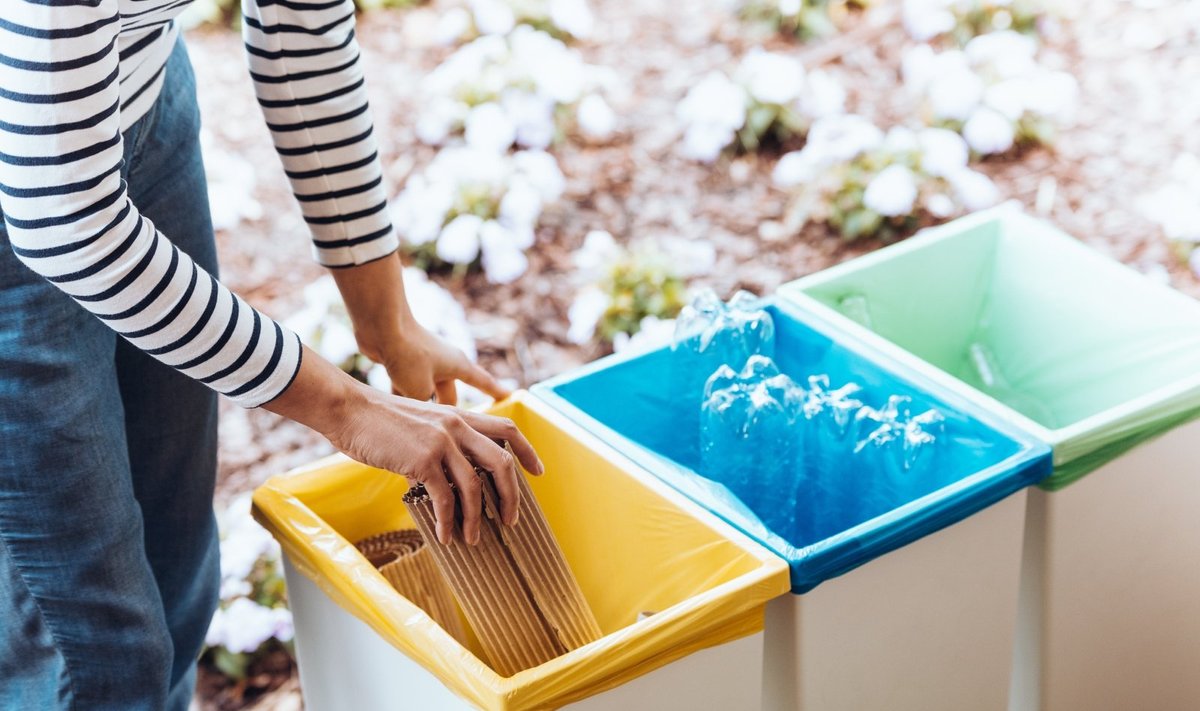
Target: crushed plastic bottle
<point>993,382</point>
<point>856,308</point>
<point>748,441</point>
<point>827,418</point>
<point>894,443</point>
<point>710,333</point>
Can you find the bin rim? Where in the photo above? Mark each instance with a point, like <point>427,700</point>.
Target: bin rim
<point>843,552</point>
<point>1063,440</point>
<point>742,596</point>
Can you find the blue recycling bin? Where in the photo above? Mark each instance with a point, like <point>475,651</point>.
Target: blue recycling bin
<point>905,596</point>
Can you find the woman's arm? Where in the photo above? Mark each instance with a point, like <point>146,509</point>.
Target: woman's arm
<point>70,219</point>
<point>304,60</point>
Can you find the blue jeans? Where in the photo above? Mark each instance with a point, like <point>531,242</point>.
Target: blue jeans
<point>108,545</point>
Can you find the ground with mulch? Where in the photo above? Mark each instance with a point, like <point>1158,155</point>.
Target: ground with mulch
<point>1135,61</point>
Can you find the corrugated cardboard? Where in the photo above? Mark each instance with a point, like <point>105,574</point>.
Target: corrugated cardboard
<point>514,586</point>
<point>403,558</point>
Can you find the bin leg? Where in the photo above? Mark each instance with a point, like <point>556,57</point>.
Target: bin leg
<point>926,628</point>
<point>1121,583</point>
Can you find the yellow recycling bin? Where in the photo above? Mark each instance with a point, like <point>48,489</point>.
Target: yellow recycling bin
<point>635,545</point>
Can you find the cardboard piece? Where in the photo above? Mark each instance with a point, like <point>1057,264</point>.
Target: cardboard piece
<point>406,562</point>
<point>514,587</point>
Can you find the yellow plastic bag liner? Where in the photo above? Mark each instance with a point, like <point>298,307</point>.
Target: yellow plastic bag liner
<point>634,545</point>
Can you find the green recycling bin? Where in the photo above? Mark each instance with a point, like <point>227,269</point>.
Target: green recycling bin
<point>1103,365</point>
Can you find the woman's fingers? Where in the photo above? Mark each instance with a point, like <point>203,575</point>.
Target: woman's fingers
<point>473,374</point>
<point>499,462</point>
<point>442,496</point>
<point>470,492</point>
<point>447,393</point>
<point>502,428</point>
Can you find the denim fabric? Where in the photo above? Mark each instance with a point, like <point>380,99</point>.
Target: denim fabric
<point>108,546</point>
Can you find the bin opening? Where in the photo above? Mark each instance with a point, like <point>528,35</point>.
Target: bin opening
<point>1025,314</point>
<point>967,471</point>
<point>632,546</point>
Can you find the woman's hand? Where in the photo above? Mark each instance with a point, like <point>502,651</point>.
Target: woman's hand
<point>429,443</point>
<point>420,364</point>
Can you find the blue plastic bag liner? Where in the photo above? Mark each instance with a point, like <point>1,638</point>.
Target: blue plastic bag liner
<point>1069,345</point>
<point>633,402</point>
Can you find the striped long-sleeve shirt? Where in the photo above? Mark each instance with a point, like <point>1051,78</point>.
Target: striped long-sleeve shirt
<point>74,74</point>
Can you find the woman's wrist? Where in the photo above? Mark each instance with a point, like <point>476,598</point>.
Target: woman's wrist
<point>320,397</point>
<point>378,307</point>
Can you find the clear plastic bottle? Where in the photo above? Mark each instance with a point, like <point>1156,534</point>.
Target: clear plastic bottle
<point>748,441</point>
<point>709,334</point>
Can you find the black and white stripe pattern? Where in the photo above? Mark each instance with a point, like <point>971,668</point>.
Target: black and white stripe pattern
<point>74,74</point>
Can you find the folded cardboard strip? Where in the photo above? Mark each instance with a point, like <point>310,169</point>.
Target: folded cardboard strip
<point>514,586</point>
<point>403,558</point>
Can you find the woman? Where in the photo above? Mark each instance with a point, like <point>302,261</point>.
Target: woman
<point>108,549</point>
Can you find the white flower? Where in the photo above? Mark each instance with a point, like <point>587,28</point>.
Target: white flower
<point>1009,98</point>
<point>652,333</point>
<point>714,101</point>
<point>243,541</point>
<point>840,138</point>
<point>521,206</point>
<point>244,626</point>
<point>1194,262</point>
<point>942,151</point>
<point>436,310</point>
<point>532,116</point>
<point>1006,53</point>
<point>492,17</point>
<point>419,212</point>
<point>459,240</point>
<point>974,190</point>
<point>573,17</point>
<point>597,121</point>
<point>988,132</point>
<point>796,168</point>
<point>1052,94</point>
<point>452,25</point>
<point>771,78</point>
<point>598,253</point>
<point>918,66</point>
<point>337,343</point>
<point>926,19</point>
<point>543,173</point>
<point>489,128</point>
<point>892,192</point>
<point>900,139</point>
<point>438,120</point>
<point>955,93</point>
<point>705,141</point>
<point>503,260</point>
<point>789,8</point>
<point>584,313</point>
<point>940,205</point>
<point>235,587</point>
<point>822,95</point>
<point>378,378</point>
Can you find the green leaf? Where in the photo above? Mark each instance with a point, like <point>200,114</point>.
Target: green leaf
<point>234,665</point>
<point>861,223</point>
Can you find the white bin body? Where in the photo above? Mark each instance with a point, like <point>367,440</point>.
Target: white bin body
<point>345,666</point>
<point>1110,608</point>
<point>928,627</point>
